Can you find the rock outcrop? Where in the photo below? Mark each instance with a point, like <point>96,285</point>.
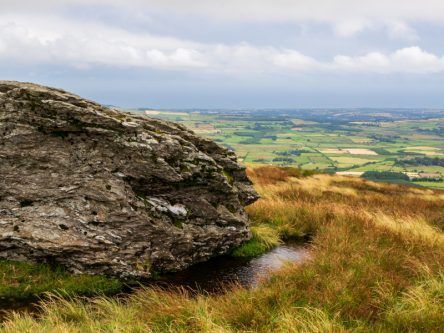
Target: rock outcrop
<point>101,191</point>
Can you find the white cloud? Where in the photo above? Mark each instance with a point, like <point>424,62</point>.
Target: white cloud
<point>347,17</point>
<point>31,40</point>
<point>415,60</point>
<point>406,60</point>
<point>348,28</point>
<point>35,40</point>
<point>371,62</point>
<point>395,29</point>
<point>294,60</point>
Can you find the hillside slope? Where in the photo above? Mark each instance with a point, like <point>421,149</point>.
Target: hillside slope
<point>377,259</point>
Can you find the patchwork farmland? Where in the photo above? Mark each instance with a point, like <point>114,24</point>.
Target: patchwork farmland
<point>349,142</point>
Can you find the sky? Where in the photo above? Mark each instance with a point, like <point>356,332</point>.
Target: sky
<point>174,54</point>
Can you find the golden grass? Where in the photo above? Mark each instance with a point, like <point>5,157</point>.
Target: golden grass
<point>267,235</point>
<point>306,319</point>
<point>376,265</point>
<point>420,305</point>
<point>410,228</point>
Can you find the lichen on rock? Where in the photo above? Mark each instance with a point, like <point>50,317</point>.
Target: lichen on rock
<point>100,191</point>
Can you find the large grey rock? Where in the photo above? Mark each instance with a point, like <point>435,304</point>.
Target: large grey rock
<point>102,191</point>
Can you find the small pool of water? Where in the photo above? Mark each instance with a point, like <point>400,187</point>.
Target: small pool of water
<point>217,274</point>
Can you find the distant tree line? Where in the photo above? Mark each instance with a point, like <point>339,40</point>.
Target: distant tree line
<point>385,175</point>
<point>283,159</point>
<point>436,180</point>
<point>421,161</point>
<point>262,127</point>
<point>292,152</point>
<point>385,138</point>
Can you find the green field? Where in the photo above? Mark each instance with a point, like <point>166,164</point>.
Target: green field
<point>329,140</point>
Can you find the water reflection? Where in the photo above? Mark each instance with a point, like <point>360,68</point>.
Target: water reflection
<point>216,274</point>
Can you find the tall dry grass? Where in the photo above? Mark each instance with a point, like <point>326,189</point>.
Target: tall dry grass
<point>376,265</point>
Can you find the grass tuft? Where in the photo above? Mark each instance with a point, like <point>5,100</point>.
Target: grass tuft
<point>264,238</point>
<point>419,306</point>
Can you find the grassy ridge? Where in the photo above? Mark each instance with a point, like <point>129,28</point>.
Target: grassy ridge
<point>377,265</point>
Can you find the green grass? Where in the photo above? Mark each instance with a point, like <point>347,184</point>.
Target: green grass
<point>252,248</point>
<point>437,185</point>
<point>376,265</point>
<point>26,281</point>
<point>265,237</point>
